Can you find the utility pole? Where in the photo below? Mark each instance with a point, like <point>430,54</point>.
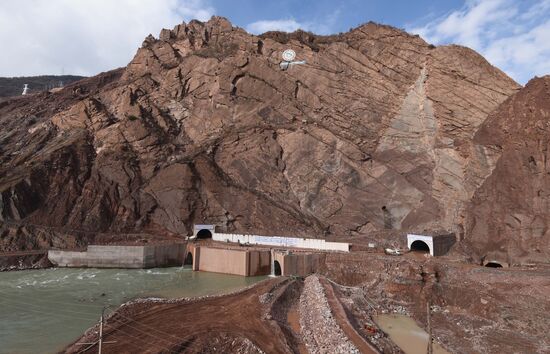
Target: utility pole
<point>430,346</point>
<point>101,329</point>
<point>100,341</point>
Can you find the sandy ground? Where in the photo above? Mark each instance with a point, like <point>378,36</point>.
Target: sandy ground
<point>182,326</point>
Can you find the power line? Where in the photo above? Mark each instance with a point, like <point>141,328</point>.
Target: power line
<point>118,329</point>
<point>41,300</point>
<point>120,323</point>
<point>24,306</point>
<point>146,326</point>
<point>147,333</point>
<point>37,307</point>
<point>20,307</point>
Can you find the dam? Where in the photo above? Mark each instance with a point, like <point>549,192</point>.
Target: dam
<point>120,256</point>
<point>253,261</point>
<point>210,251</point>
<point>254,255</point>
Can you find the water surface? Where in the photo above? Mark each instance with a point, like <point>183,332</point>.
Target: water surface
<point>406,334</point>
<point>41,311</point>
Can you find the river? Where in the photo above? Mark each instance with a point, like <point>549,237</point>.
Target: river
<point>41,311</point>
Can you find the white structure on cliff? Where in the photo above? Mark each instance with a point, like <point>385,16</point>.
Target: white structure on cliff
<point>436,245</point>
<point>25,89</point>
<point>207,231</point>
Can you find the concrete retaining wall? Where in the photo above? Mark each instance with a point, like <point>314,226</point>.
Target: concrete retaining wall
<point>163,255</point>
<point>301,264</point>
<point>231,261</point>
<point>281,241</point>
<point>438,244</point>
<point>147,256</point>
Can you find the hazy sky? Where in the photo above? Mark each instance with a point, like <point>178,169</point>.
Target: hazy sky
<point>85,37</point>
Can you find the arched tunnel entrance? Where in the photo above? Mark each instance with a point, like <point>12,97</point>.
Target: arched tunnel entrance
<point>204,233</point>
<point>277,268</point>
<point>420,246</point>
<point>188,259</point>
<point>493,265</point>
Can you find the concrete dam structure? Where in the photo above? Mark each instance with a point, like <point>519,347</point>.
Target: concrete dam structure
<point>231,261</point>
<point>253,261</point>
<point>252,255</point>
<point>115,256</point>
<point>238,254</point>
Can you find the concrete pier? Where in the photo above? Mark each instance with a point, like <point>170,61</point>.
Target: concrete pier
<point>232,261</point>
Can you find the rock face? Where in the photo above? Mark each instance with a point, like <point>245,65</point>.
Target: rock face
<point>509,219</point>
<point>374,132</point>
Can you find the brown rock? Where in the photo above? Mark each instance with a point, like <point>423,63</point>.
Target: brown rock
<point>508,218</point>
<point>374,132</point>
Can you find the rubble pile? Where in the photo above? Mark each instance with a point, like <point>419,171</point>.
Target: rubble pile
<point>321,332</point>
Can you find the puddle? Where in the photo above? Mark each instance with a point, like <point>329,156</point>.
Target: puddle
<point>408,336</point>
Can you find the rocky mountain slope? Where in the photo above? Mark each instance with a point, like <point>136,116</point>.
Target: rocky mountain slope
<point>509,218</point>
<point>378,131</point>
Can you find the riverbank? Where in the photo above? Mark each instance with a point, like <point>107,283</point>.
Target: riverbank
<point>210,324</point>
<point>22,260</point>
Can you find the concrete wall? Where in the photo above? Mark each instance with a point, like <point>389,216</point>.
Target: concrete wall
<point>68,258</point>
<point>232,261</point>
<point>280,241</point>
<point>300,264</point>
<point>147,256</point>
<point>259,263</point>
<point>197,228</point>
<point>115,256</point>
<point>222,261</point>
<point>165,255</point>
<point>438,244</point>
<point>426,239</point>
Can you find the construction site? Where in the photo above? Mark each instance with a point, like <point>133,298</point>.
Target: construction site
<point>355,298</point>
<point>363,301</point>
<point>236,192</point>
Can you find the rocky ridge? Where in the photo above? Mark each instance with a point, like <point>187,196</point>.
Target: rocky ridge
<point>375,132</point>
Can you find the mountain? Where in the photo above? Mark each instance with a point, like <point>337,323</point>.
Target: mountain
<point>13,86</point>
<point>509,215</point>
<point>379,130</point>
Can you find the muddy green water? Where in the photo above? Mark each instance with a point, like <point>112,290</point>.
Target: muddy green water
<point>41,311</point>
<point>406,334</point>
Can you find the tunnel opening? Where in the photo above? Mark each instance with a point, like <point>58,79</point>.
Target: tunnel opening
<point>420,246</point>
<point>277,270</point>
<point>493,265</point>
<point>188,259</point>
<point>204,233</point>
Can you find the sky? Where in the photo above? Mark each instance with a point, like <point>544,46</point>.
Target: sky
<point>86,37</point>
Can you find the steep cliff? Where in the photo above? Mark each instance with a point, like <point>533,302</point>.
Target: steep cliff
<point>374,132</point>
<point>509,219</point>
